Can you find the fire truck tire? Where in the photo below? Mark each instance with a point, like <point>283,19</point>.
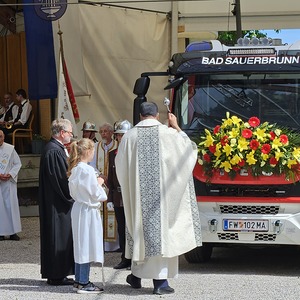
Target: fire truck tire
<point>199,254</point>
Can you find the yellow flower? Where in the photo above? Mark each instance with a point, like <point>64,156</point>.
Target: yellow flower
<point>233,133</point>
<point>209,141</point>
<point>235,160</point>
<point>236,120</point>
<point>218,152</point>
<point>276,143</point>
<point>260,134</point>
<point>250,158</point>
<point>296,153</point>
<point>243,144</point>
<point>227,123</point>
<point>226,166</point>
<point>291,162</point>
<point>278,155</point>
<point>264,156</point>
<point>227,149</point>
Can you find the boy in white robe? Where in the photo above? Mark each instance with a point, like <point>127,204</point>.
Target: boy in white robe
<point>10,165</point>
<point>154,166</point>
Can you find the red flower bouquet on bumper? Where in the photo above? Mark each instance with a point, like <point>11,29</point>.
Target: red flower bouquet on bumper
<point>259,148</point>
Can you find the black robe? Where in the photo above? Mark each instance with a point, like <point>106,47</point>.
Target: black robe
<point>55,204</point>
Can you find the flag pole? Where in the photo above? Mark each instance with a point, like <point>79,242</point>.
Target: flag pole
<point>61,47</point>
<point>67,78</point>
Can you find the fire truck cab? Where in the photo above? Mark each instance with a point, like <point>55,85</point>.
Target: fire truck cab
<point>256,77</point>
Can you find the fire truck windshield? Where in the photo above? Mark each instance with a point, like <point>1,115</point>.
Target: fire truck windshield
<point>203,100</point>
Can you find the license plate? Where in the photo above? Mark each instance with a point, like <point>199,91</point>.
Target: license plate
<point>245,225</point>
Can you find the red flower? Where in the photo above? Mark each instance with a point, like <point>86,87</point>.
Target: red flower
<point>284,139</point>
<point>254,121</point>
<point>236,168</point>
<point>272,135</point>
<point>241,163</point>
<point>254,144</point>
<point>273,161</point>
<point>224,140</point>
<point>212,148</point>
<point>206,157</point>
<point>217,129</point>
<point>247,133</point>
<point>266,148</point>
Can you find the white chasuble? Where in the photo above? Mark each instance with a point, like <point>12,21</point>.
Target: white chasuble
<point>154,166</point>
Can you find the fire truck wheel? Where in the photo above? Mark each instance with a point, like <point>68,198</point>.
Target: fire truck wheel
<point>199,254</point>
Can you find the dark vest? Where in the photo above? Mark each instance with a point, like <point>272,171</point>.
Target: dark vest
<point>19,112</point>
<point>8,114</point>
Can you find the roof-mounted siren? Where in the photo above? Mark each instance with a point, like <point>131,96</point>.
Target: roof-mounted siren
<point>276,42</point>
<point>263,41</point>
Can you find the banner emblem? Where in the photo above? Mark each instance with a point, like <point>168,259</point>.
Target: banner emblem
<point>50,10</point>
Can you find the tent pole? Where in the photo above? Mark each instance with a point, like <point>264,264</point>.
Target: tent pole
<point>174,30</point>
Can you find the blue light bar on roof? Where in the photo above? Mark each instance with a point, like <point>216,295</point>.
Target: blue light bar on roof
<point>199,46</point>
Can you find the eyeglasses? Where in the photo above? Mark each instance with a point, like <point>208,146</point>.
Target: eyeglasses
<point>69,132</point>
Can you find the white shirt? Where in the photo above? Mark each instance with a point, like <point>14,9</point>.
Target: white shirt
<point>26,110</point>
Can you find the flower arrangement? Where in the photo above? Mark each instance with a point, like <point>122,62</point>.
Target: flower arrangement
<point>260,148</point>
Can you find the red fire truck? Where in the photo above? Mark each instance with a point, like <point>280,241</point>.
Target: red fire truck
<point>258,77</point>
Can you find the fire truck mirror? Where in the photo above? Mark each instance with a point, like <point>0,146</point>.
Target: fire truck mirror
<point>141,86</point>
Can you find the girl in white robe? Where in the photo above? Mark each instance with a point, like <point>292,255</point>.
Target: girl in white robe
<point>85,189</point>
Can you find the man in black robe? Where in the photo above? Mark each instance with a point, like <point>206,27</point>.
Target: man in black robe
<point>55,204</point>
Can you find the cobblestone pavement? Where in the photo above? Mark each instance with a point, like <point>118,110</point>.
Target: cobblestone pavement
<point>231,274</point>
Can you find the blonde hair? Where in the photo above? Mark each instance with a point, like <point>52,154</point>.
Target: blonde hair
<point>78,152</point>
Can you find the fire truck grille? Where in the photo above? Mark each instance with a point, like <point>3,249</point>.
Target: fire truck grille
<point>259,237</point>
<point>265,237</point>
<point>248,190</point>
<point>250,209</point>
<point>228,236</point>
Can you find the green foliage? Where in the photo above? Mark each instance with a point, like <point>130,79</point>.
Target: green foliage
<point>229,38</point>
<point>39,137</point>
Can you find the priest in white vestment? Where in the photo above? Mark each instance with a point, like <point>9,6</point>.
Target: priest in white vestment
<point>10,165</point>
<point>154,165</point>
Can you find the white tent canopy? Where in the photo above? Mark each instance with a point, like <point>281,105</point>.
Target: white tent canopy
<point>108,46</point>
<point>215,15</point>
<point>106,49</point>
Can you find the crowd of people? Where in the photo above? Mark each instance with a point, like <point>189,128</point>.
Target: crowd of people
<point>133,174</point>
